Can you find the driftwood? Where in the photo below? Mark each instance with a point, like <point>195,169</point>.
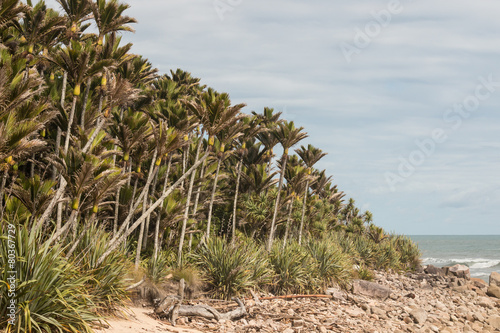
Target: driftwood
<point>171,308</point>
<point>135,285</point>
<point>255,298</point>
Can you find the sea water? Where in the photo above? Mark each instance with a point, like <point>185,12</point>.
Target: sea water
<point>480,253</point>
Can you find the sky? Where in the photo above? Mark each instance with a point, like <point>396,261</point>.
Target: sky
<point>403,95</point>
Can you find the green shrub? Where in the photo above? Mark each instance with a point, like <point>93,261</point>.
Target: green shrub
<point>105,282</point>
<point>50,291</point>
<point>365,273</point>
<point>157,268</point>
<point>295,270</point>
<point>387,257</point>
<point>231,269</point>
<point>410,255</point>
<point>333,265</point>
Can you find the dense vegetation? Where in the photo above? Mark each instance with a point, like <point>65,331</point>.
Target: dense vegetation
<point>109,168</point>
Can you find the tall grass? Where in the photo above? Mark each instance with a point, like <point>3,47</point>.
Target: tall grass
<point>105,282</point>
<point>231,269</point>
<point>333,264</point>
<point>51,293</point>
<point>294,269</point>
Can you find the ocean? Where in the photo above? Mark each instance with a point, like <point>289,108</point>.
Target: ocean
<point>480,253</point>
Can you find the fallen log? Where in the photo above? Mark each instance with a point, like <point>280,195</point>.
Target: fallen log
<point>288,297</point>
<point>171,308</point>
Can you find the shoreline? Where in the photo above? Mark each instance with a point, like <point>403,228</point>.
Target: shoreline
<point>414,302</point>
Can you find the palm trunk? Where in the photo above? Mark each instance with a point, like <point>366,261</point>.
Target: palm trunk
<point>70,123</point>
<point>122,236</point>
<point>68,224</point>
<point>212,198</point>
<point>276,205</point>
<point>2,187</point>
<point>85,100</point>
<point>144,204</point>
<point>117,210</point>
<point>188,202</point>
<point>289,217</point>
<point>303,213</point>
<point>235,203</point>
<point>58,145</point>
<point>66,148</point>
<point>195,207</point>
<point>158,219</point>
<point>146,230</point>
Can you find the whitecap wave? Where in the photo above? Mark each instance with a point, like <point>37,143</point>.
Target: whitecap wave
<point>473,263</point>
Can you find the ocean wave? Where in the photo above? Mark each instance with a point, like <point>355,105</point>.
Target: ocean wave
<point>473,263</point>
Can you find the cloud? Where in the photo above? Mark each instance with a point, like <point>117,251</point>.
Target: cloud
<point>366,114</point>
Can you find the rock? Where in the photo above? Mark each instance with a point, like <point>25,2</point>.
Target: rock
<point>337,295</point>
<point>430,269</point>
<point>419,315</point>
<point>370,289</point>
<point>494,321</point>
<point>493,291</point>
<point>495,279</point>
<point>460,271</point>
<point>478,283</point>
<point>485,302</point>
<point>355,312</point>
<point>379,312</point>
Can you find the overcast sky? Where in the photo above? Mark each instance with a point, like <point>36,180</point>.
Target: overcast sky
<point>403,95</point>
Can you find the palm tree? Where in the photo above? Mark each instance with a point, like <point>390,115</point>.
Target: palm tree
<point>310,156</point>
<point>295,176</point>
<point>22,115</point>
<point>226,137</point>
<point>288,135</point>
<point>109,19</point>
<point>214,111</point>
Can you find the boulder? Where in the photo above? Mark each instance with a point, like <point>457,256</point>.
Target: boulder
<point>478,283</point>
<point>460,271</point>
<point>419,316</point>
<point>430,269</point>
<point>370,289</point>
<point>495,279</point>
<point>493,291</point>
<point>485,302</point>
<point>494,321</point>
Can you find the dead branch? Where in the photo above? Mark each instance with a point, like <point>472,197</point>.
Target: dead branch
<point>135,285</point>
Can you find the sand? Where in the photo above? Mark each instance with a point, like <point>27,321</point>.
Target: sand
<point>138,321</point>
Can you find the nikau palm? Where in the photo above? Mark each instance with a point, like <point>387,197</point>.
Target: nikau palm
<point>101,157</point>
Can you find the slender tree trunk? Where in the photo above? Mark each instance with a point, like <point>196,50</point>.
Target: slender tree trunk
<point>144,205</point>
<point>188,200</point>
<point>58,145</point>
<point>70,123</point>
<point>196,201</point>
<point>2,187</point>
<point>158,219</point>
<point>146,227</point>
<point>212,198</point>
<point>117,210</point>
<point>121,236</point>
<point>303,213</point>
<point>276,205</point>
<point>66,148</point>
<point>68,224</point>
<point>289,217</point>
<point>235,203</point>
<point>59,132</point>
<point>85,100</point>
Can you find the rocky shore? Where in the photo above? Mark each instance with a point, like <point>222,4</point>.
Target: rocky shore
<point>433,300</point>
